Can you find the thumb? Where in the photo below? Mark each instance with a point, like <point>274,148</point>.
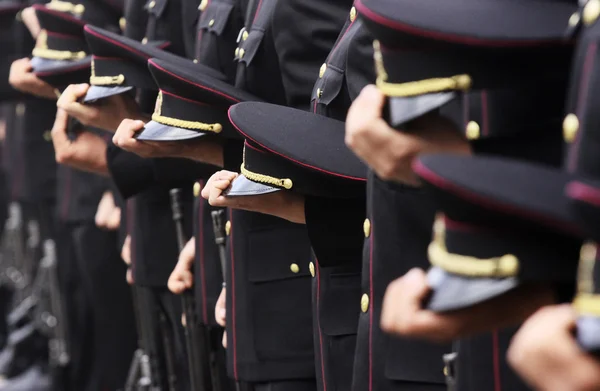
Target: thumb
<point>368,105</point>
<point>60,124</point>
<point>416,283</point>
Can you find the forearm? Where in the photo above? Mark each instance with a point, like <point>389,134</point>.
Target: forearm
<point>204,151</point>
<point>283,204</point>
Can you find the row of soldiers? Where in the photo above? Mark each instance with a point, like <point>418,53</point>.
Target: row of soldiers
<point>296,195</point>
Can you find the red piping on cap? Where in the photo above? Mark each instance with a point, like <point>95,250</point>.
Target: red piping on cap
<point>194,84</point>
<point>442,183</point>
<point>185,99</point>
<point>289,158</point>
<point>584,193</point>
<point>64,70</point>
<point>413,30</point>
<point>59,14</point>
<point>122,45</point>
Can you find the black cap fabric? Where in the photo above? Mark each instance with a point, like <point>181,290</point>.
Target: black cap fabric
<point>61,54</point>
<point>120,62</point>
<point>472,22</point>
<point>191,103</point>
<point>104,14</point>
<point>426,58</point>
<point>296,150</point>
<point>505,225</point>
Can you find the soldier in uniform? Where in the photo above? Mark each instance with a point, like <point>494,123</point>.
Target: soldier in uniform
<point>256,59</point>
<point>92,255</point>
<point>470,104</point>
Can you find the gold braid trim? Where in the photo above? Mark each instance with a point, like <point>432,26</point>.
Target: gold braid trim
<point>497,267</point>
<point>419,87</point>
<point>286,183</point>
<point>587,303</point>
<point>51,54</point>
<point>65,6</point>
<point>179,123</point>
<point>105,80</point>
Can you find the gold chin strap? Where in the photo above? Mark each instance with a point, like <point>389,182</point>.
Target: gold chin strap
<point>41,50</point>
<point>286,183</point>
<point>65,6</point>
<point>587,302</point>
<point>496,267</point>
<point>62,55</point>
<point>179,123</point>
<point>416,88</point>
<point>105,80</point>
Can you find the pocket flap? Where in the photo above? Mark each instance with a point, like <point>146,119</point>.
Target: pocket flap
<point>339,308</point>
<point>278,253</point>
<point>329,86</point>
<point>156,7</point>
<point>251,45</point>
<point>215,17</point>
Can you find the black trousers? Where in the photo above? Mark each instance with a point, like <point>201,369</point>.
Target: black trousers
<point>102,334</point>
<point>288,385</point>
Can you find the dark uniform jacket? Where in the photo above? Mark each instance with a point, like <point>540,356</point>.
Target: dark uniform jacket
<point>335,224</point>
<point>279,54</point>
<point>218,25</point>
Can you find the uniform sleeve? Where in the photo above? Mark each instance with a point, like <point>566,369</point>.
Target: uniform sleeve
<point>360,69</point>
<point>335,228</point>
<point>304,32</point>
<point>131,174</point>
<point>180,172</point>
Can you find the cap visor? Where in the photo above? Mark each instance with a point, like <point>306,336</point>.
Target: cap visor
<point>95,93</point>
<point>453,292</point>
<point>243,186</point>
<point>403,110</point>
<point>39,64</point>
<point>588,332</point>
<point>154,131</point>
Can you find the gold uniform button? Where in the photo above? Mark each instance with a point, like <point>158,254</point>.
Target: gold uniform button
<point>237,52</point>
<point>473,130</point>
<point>79,9</point>
<point>311,268</point>
<point>122,23</point>
<point>203,5</point>
<point>574,19</point>
<point>322,70</point>
<point>47,135</point>
<point>364,303</point>
<point>242,51</point>
<point>20,110</point>
<point>591,12</point>
<point>196,189</point>
<point>144,40</point>
<point>195,61</point>
<point>244,35</point>
<point>446,371</point>
<point>211,23</point>
<point>319,92</point>
<point>352,14</point>
<point>294,268</point>
<point>367,228</point>
<point>152,4</point>
<point>570,127</point>
<point>227,227</point>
